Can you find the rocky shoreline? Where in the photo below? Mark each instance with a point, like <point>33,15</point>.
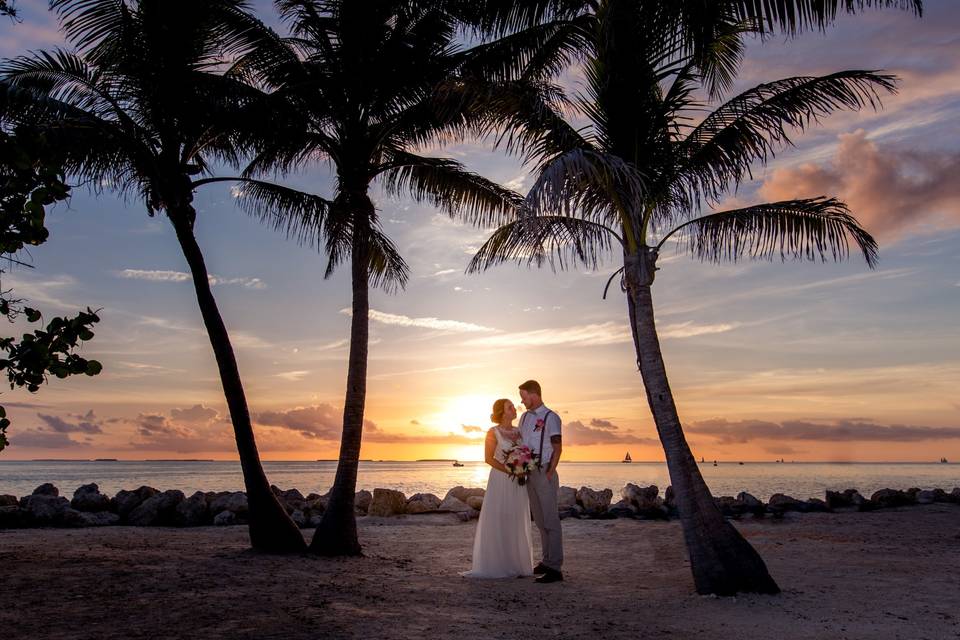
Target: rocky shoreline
<point>146,506</point>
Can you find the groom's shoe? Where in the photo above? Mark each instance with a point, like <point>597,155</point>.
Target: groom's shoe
<point>540,569</point>
<point>552,575</point>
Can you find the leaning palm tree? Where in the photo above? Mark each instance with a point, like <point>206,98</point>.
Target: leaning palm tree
<point>364,87</point>
<point>139,108</point>
<point>635,176</point>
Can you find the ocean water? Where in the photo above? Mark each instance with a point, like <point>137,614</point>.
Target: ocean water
<point>762,479</point>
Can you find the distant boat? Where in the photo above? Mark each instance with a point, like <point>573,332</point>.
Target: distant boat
<point>701,459</point>
<point>627,457</point>
<point>714,463</point>
<point>457,464</point>
<point>943,460</point>
<point>739,463</point>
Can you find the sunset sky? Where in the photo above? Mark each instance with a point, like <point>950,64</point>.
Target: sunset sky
<point>801,360</point>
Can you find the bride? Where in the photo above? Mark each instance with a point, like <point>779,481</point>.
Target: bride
<point>503,546</point>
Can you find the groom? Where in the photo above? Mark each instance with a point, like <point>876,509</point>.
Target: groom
<point>540,430</point>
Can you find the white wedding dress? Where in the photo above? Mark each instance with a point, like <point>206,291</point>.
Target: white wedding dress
<point>503,546</point>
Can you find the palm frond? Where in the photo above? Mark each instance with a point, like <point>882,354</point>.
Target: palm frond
<point>811,229</point>
<point>560,241</point>
<point>447,184</point>
<point>795,16</point>
<point>388,270</point>
<point>753,125</point>
<point>595,185</point>
<point>537,53</point>
<point>301,216</point>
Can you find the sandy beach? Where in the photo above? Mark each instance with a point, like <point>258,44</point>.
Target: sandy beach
<point>885,574</point>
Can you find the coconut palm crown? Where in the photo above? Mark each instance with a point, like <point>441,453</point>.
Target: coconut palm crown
<point>141,108</point>
<point>629,163</point>
<point>368,88</point>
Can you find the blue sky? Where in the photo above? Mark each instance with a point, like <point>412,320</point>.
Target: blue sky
<point>807,361</point>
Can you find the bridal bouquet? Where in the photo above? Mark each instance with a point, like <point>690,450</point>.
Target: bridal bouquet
<point>519,460</point>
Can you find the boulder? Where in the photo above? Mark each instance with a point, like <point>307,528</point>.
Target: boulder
<point>622,509</point>
<point>643,498</point>
<point>316,503</point>
<point>299,519</point>
<point>88,498</point>
<point>462,493</point>
<point>728,505</point>
<point>939,495</point>
<point>750,504</point>
<point>291,499</point>
<point>954,496</point>
<point>566,498</point>
<point>594,502</point>
<point>314,521</point>
<point>75,518</point>
<point>841,500</point>
<point>193,512</point>
<point>362,500</point>
<point>233,501</point>
<point>451,503</point>
<point>422,503</point>
<point>44,509</point>
<point>126,501</point>
<point>387,502</point>
<point>475,502</point>
<point>576,511</point>
<point>467,516</point>
<point>225,518</point>
<point>8,501</point>
<point>886,498</point>
<point>926,497</point>
<point>781,503</point>
<point>816,505</point>
<point>12,517</point>
<point>157,511</point>
<point>670,500</point>
<point>46,489</point>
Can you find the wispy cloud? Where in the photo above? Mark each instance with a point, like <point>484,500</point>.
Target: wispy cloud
<point>435,324</point>
<point>591,335</point>
<point>162,275</point>
<point>689,329</point>
<point>292,376</point>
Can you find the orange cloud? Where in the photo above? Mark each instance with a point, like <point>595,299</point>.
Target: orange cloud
<point>891,191</point>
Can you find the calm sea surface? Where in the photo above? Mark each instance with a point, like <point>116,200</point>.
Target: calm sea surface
<point>801,480</point>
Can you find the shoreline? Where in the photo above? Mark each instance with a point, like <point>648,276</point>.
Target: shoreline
<point>146,506</point>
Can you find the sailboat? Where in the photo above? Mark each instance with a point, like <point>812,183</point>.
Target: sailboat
<point>457,463</point>
<point>943,460</point>
<point>627,457</point>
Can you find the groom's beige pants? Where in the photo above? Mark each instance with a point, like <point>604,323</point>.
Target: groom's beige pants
<point>543,503</point>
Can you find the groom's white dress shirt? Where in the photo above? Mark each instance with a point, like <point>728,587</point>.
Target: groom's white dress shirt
<point>531,436</point>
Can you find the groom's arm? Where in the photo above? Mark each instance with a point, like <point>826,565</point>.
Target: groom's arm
<point>557,443</point>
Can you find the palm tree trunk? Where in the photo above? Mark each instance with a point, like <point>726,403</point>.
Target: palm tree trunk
<point>723,562</point>
<point>337,533</point>
<point>271,529</point>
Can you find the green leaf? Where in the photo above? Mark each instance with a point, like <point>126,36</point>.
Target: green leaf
<point>32,314</point>
<point>93,367</point>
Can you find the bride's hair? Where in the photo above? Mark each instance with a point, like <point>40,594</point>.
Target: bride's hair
<point>498,409</point>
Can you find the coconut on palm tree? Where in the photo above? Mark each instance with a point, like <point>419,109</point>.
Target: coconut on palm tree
<point>140,108</point>
<point>365,87</point>
<point>629,164</point>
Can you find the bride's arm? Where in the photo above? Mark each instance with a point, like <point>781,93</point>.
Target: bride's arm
<point>490,449</point>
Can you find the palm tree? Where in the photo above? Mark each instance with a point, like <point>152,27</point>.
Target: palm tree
<point>140,109</point>
<point>634,177</point>
<point>364,86</point>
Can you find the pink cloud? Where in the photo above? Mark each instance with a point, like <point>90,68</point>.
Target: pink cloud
<point>892,191</point>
